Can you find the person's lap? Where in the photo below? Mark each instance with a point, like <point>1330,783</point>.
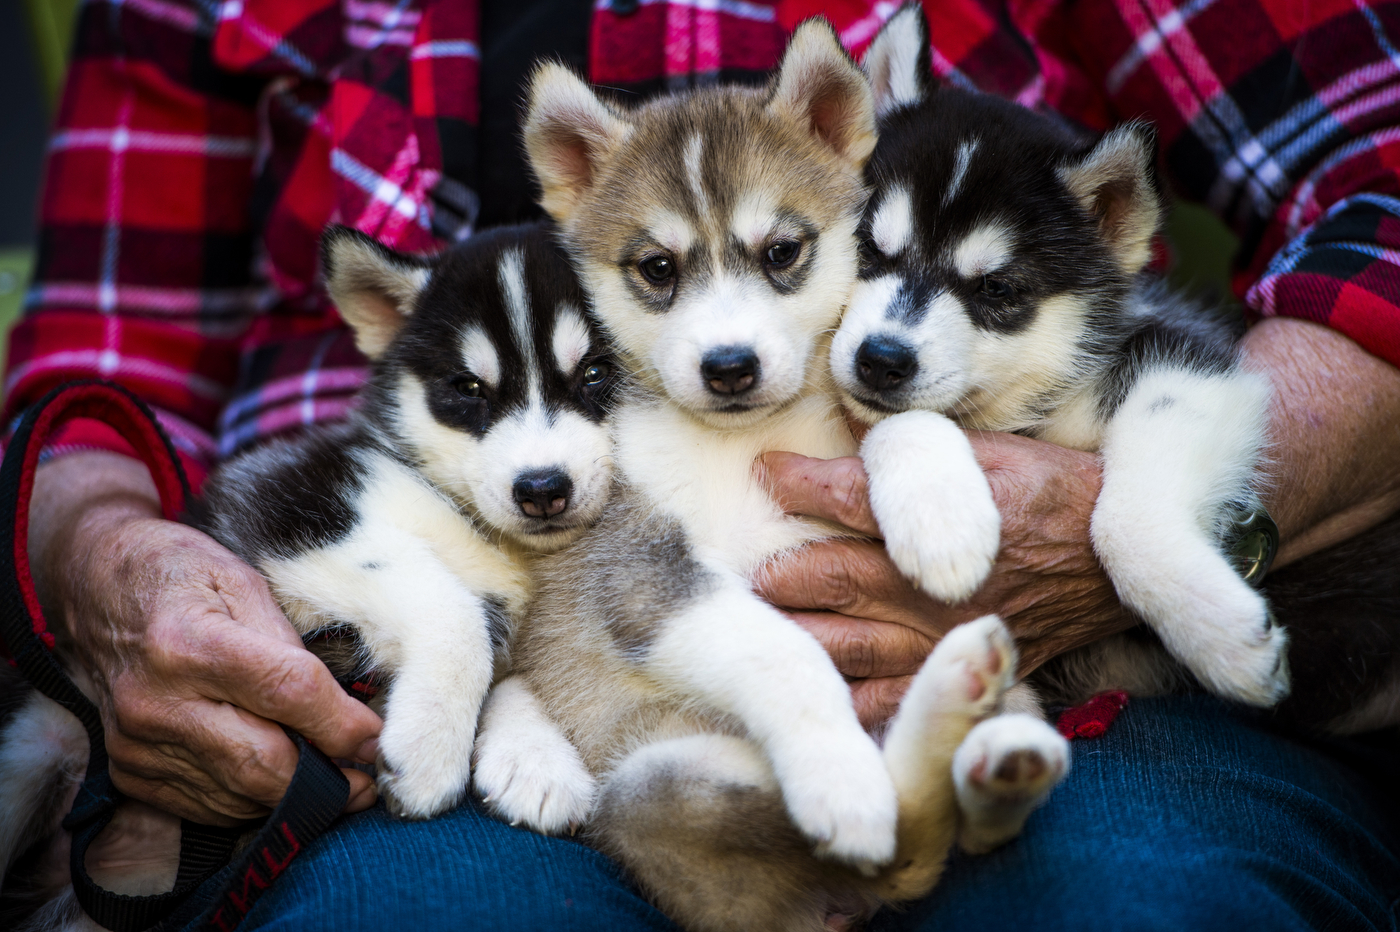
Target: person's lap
<point>1184,816</point>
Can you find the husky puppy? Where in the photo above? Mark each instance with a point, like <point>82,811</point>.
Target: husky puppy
<point>1000,289</point>
<point>705,738</point>
<point>481,440</point>
<point>487,402</point>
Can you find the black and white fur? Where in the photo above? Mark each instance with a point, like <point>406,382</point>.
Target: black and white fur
<point>705,739</point>
<point>1001,288</point>
<point>482,440</point>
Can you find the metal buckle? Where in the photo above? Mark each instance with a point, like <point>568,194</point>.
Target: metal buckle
<point>1251,544</point>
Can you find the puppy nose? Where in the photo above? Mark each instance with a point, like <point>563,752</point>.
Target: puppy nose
<point>730,370</point>
<point>543,493</point>
<point>883,363</point>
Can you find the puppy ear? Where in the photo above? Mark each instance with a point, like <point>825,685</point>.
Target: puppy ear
<point>568,132</point>
<point>899,63</point>
<point>372,286</point>
<point>1116,183</point>
<point>822,89</point>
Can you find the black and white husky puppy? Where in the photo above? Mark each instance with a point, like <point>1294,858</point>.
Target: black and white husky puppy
<point>482,439</point>
<point>707,740</point>
<point>1000,289</point>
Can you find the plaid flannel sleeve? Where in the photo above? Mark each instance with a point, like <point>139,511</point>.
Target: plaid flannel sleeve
<point>200,150</point>
<point>1281,117</point>
<point>145,243</point>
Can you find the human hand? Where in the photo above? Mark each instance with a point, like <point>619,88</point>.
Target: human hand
<point>188,656</point>
<point>1046,584</point>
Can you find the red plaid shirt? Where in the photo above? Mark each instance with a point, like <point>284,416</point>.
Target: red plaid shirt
<point>201,147</point>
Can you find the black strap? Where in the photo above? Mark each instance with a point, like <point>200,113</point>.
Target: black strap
<point>318,791</point>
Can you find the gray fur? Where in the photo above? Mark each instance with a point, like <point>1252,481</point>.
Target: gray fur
<point>640,568</point>
<point>598,604</point>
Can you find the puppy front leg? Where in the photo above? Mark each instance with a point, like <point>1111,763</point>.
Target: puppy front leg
<point>420,624</point>
<point>741,656</point>
<point>932,502</point>
<point>526,769</point>
<point>1180,448</point>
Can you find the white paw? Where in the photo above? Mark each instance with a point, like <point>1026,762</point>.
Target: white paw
<point>932,503</point>
<point>974,665</point>
<point>1010,758</point>
<point>1003,770</point>
<point>962,682</point>
<point>843,799</point>
<point>1231,643</point>
<point>425,753</point>
<point>526,771</point>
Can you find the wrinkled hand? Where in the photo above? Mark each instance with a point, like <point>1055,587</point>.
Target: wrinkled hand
<point>190,658</point>
<point>1046,584</point>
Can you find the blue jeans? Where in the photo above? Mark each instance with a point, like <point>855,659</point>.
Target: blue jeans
<point>1187,815</point>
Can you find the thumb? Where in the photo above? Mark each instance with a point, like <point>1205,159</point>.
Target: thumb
<point>833,490</point>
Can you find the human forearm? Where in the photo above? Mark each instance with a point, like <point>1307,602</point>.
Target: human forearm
<point>1335,431</point>
<point>75,495</point>
<point>190,659</point>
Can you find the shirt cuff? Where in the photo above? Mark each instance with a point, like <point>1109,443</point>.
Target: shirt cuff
<point>85,435</point>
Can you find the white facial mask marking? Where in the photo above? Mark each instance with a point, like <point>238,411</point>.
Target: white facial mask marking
<point>571,339</point>
<point>512,279</point>
<point>753,219</point>
<point>670,230</point>
<point>893,223</point>
<point>965,152</point>
<point>479,356</point>
<point>984,250</point>
<point>942,336</point>
<point>482,470</point>
<point>694,151</point>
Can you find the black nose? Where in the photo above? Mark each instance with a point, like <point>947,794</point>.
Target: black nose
<point>543,493</point>
<point>730,370</point>
<point>884,364</point>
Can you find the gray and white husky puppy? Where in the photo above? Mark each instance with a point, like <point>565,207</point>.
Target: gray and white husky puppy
<point>705,739</point>
<point>482,439</point>
<point>1001,289</point>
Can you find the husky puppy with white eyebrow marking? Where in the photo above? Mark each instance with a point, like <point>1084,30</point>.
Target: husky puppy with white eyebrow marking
<point>482,440</point>
<point>706,740</point>
<point>1000,289</point>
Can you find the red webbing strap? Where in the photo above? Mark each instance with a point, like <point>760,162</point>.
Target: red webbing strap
<point>318,792</point>
<point>101,401</point>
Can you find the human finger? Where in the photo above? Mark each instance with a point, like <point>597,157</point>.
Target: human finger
<point>162,776</point>
<point>853,577</point>
<point>363,793</point>
<point>275,681</point>
<point>862,648</point>
<point>207,745</point>
<point>877,699</point>
<point>833,490</point>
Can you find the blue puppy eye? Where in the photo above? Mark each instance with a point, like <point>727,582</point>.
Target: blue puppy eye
<point>596,373</point>
<point>469,387</point>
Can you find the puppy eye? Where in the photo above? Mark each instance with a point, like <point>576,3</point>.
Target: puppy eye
<point>870,255</point>
<point>596,373</point>
<point>657,269</point>
<point>782,254</point>
<point>995,288</point>
<point>469,387</point>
